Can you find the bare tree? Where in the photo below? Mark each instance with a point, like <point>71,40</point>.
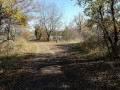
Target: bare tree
<point>80,21</point>
<point>49,17</point>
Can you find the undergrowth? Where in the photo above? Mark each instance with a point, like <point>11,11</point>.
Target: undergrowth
<point>105,69</point>
<point>14,54</point>
<point>89,53</point>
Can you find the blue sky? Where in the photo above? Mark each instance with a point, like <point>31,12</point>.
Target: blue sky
<point>68,8</point>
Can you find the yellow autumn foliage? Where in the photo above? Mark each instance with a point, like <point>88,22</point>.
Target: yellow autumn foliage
<point>13,11</point>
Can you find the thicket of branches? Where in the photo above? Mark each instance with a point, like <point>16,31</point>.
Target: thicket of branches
<point>49,16</point>
<point>13,13</point>
<point>105,15</point>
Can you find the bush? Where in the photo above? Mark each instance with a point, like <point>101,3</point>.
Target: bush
<point>79,49</point>
<point>13,54</point>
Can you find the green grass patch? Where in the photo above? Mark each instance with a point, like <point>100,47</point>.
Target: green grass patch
<point>89,53</point>
<point>77,48</point>
<point>11,62</point>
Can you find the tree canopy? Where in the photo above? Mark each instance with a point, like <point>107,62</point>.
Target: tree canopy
<point>105,14</point>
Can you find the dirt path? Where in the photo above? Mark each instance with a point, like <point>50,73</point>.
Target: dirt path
<point>43,72</point>
<point>54,68</point>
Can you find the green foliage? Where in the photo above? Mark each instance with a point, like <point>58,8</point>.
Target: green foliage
<point>11,62</point>
<point>64,33</point>
<point>10,16</point>
<point>91,48</point>
<point>23,20</point>
<point>78,48</point>
<point>54,33</point>
<point>102,14</point>
<point>38,32</point>
<point>11,10</point>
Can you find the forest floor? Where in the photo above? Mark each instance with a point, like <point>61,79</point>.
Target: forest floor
<point>56,67</point>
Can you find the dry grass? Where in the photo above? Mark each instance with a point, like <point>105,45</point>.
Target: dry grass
<point>14,54</point>
<point>20,47</point>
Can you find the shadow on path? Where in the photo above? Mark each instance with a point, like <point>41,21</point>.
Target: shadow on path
<point>58,72</point>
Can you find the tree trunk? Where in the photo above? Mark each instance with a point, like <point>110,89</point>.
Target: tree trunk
<point>9,26</point>
<point>115,46</point>
<point>40,37</point>
<point>48,38</point>
<point>48,34</point>
<point>110,43</point>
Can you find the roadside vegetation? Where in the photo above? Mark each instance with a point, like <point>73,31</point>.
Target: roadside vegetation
<point>15,52</point>
<point>15,49</point>
<point>97,34</point>
<point>102,67</point>
<point>102,48</point>
<point>14,55</point>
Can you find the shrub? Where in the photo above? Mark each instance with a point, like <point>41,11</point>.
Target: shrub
<point>79,49</point>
